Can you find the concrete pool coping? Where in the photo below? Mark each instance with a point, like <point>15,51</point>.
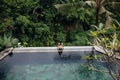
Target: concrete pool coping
<point>51,49</point>
<point>100,49</point>
<point>3,54</point>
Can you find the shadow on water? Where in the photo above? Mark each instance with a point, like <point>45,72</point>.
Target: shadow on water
<point>4,68</point>
<point>11,54</point>
<point>68,58</point>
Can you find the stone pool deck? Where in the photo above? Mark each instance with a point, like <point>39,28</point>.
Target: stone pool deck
<point>100,49</point>
<point>5,52</point>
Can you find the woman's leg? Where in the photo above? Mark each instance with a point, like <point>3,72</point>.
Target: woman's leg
<point>60,50</point>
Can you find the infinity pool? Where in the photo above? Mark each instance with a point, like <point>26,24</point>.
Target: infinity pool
<point>48,66</point>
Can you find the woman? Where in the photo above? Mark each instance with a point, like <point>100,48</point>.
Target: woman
<point>60,47</point>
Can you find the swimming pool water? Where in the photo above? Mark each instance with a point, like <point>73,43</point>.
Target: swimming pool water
<point>48,66</point>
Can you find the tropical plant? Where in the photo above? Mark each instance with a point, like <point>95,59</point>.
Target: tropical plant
<point>107,40</point>
<point>7,41</point>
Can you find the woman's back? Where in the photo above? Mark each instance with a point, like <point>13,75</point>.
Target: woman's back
<point>60,45</point>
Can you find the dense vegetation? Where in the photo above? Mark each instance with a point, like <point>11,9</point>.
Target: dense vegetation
<point>39,23</point>
<point>45,22</point>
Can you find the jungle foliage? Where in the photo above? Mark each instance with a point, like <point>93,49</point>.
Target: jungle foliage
<point>39,23</point>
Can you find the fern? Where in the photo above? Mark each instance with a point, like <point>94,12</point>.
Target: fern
<point>7,41</point>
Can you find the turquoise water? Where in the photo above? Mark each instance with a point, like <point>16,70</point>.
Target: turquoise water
<point>50,67</point>
<point>54,72</point>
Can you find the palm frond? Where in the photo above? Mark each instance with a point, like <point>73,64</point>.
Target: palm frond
<point>117,22</point>
<point>59,6</point>
<point>109,21</point>
<point>112,3</point>
<point>67,1</point>
<point>62,2</point>
<point>102,10</point>
<point>102,1</point>
<point>90,3</point>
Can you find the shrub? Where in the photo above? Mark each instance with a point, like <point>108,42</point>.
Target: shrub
<point>7,41</point>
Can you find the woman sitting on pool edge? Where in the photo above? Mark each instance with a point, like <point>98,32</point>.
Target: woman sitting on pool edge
<point>60,47</point>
